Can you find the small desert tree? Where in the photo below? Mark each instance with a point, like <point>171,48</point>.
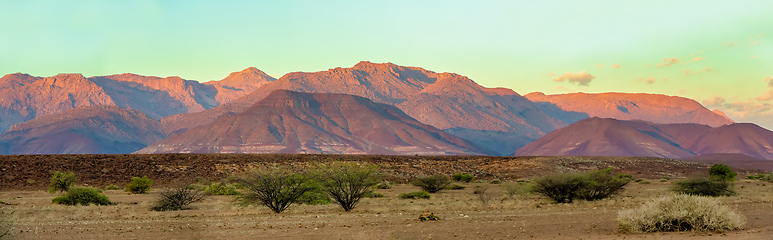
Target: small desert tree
<point>722,173</point>
<point>276,189</point>
<point>62,181</point>
<point>178,198</point>
<point>594,185</point>
<point>347,183</point>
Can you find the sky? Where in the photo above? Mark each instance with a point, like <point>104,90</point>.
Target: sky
<point>719,53</point>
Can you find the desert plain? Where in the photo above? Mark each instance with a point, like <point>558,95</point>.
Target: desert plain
<point>462,214</point>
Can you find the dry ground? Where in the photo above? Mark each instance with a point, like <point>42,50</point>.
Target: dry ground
<point>462,215</point>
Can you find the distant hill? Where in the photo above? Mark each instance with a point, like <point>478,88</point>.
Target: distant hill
<point>295,122</point>
<point>656,108</point>
<point>610,137</point>
<point>606,137</point>
<point>742,138</point>
<point>91,129</point>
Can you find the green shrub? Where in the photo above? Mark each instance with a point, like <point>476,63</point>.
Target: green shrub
<point>82,196</point>
<point>112,187</point>
<point>139,185</point>
<point>383,185</point>
<point>276,189</point>
<point>373,194</point>
<point>177,198</point>
<point>316,196</point>
<point>414,195</point>
<point>219,188</point>
<point>680,213</point>
<point>428,217</point>
<point>432,184</point>
<point>455,187</point>
<point>722,173</point>
<point>521,189</point>
<point>761,177</point>
<point>347,183</point>
<point>462,177</point>
<point>704,187</point>
<point>564,188</point>
<point>62,181</point>
<point>7,221</point>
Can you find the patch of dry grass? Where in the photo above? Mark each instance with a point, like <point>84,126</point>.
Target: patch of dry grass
<point>680,213</point>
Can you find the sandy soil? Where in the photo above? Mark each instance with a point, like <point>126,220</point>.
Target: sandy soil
<point>462,215</point>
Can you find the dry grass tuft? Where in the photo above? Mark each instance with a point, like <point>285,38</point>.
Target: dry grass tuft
<point>680,213</point>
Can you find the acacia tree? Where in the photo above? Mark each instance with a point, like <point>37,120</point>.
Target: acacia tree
<point>347,182</point>
<point>62,181</point>
<point>276,189</point>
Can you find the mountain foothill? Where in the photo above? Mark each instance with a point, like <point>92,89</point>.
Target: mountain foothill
<point>369,108</point>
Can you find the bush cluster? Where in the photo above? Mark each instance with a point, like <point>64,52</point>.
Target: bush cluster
<point>462,177</point>
<point>761,177</point>
<point>415,195</point>
<point>82,196</point>
<point>564,188</point>
<point>343,183</point>
<point>112,187</point>
<point>220,188</point>
<point>703,187</point>
<point>432,184</point>
<point>139,185</point>
<point>680,213</point>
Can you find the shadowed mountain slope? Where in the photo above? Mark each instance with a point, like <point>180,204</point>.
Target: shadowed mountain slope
<point>606,137</point>
<point>610,137</point>
<point>741,138</point>
<point>294,122</point>
<point>90,129</point>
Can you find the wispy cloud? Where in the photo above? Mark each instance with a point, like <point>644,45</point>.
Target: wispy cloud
<point>769,80</point>
<point>696,59</point>
<point>649,80</point>
<point>755,57</point>
<point>581,78</point>
<point>600,66</point>
<point>668,62</point>
<point>615,65</point>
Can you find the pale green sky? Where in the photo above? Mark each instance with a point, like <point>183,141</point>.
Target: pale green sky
<point>722,51</point>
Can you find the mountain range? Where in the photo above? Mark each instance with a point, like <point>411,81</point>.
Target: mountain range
<point>24,97</point>
<point>462,116</point>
